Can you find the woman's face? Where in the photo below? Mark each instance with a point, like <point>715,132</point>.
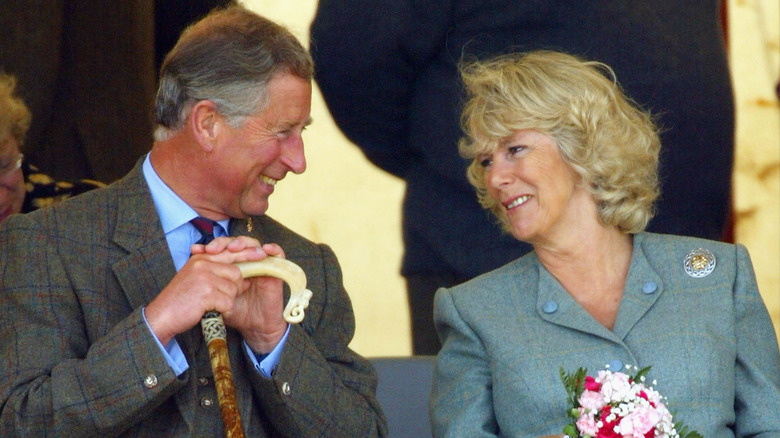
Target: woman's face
<point>540,195</point>
<point>11,179</point>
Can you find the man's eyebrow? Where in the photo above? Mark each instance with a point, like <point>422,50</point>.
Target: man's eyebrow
<point>291,124</point>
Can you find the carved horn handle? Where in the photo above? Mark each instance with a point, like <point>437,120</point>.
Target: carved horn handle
<point>214,332</point>
<point>292,274</point>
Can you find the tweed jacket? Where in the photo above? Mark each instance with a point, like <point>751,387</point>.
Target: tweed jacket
<point>78,360</point>
<point>709,342</point>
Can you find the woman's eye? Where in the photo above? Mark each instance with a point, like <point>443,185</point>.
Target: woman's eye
<point>513,150</point>
<point>485,162</point>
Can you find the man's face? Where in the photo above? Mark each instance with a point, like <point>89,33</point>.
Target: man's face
<point>250,160</point>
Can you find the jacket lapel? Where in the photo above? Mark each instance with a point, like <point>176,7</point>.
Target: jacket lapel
<point>567,312</point>
<point>244,394</point>
<point>643,288</point>
<point>148,267</point>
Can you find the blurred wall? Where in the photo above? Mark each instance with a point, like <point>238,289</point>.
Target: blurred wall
<point>754,37</point>
<point>343,200</point>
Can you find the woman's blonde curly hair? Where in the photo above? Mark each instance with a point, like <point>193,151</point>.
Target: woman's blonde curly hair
<point>603,135</point>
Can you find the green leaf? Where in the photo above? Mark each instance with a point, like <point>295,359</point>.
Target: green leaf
<point>683,431</point>
<point>571,430</point>
<point>641,373</point>
<point>574,384</point>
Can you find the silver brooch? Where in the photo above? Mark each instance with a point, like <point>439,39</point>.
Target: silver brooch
<point>699,263</point>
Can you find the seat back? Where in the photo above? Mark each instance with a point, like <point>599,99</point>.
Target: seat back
<point>403,391</point>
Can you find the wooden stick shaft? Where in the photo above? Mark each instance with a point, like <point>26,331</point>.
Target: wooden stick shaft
<point>214,333</point>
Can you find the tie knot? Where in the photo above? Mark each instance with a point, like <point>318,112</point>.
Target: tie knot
<point>206,228</point>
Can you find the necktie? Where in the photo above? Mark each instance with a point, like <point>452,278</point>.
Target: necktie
<point>206,228</point>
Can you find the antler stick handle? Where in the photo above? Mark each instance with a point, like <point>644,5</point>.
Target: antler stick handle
<point>214,333</point>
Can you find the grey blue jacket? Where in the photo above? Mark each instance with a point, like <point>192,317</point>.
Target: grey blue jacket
<point>709,341</point>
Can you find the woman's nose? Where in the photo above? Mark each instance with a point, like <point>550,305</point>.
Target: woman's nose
<point>499,173</point>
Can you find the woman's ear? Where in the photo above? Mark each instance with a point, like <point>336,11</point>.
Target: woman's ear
<point>204,122</point>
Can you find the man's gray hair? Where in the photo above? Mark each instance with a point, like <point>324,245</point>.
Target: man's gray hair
<point>228,57</point>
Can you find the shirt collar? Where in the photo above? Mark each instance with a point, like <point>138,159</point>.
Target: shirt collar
<point>171,209</point>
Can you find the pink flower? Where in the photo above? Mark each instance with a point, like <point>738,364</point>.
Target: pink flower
<point>615,405</point>
<point>663,412</point>
<point>638,423</point>
<point>591,400</point>
<point>586,424</point>
<point>591,384</point>
<point>609,429</point>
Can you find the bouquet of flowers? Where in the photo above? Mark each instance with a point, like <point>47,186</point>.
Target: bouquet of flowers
<point>617,405</point>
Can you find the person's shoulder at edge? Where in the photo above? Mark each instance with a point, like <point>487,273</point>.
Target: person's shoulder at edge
<point>671,244</point>
<point>679,255</point>
<point>43,190</point>
<point>523,269</point>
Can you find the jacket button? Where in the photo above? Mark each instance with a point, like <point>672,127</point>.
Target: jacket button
<point>615,365</point>
<point>649,287</point>
<point>150,381</point>
<point>206,402</point>
<point>286,388</point>
<point>203,381</point>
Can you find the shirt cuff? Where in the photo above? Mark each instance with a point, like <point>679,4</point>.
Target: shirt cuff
<point>266,363</point>
<point>172,352</point>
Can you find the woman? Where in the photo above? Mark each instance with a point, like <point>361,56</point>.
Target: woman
<point>22,187</point>
<point>568,164</point>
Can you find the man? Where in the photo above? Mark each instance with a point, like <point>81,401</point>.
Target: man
<point>671,59</point>
<point>102,294</point>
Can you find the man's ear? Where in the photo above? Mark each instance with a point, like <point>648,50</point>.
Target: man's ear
<point>204,121</point>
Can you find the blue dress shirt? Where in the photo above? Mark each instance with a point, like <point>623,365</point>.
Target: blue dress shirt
<point>175,216</point>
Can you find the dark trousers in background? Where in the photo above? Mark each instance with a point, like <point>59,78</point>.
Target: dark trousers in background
<point>420,290</point>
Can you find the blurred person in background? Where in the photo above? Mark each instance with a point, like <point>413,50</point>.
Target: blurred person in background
<point>23,188</point>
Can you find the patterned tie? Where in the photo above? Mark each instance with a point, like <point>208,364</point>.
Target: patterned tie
<point>206,228</point>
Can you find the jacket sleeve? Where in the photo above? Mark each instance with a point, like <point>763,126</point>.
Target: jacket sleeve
<point>367,56</point>
<point>461,397</point>
<point>758,360</point>
<point>57,378</point>
<point>321,387</point>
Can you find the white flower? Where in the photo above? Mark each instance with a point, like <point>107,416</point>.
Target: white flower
<point>616,387</point>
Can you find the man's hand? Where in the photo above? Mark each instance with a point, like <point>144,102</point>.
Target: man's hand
<point>258,311</point>
<point>210,281</point>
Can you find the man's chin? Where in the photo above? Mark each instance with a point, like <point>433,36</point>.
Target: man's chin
<point>254,209</point>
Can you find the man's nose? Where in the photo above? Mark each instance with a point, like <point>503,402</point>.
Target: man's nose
<point>292,154</point>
